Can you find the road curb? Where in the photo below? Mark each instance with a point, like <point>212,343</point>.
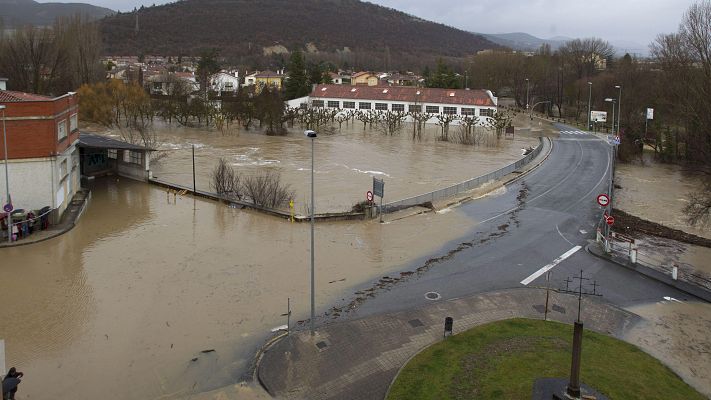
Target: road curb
<point>693,290</point>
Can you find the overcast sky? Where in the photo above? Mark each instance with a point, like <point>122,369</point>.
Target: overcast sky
<point>615,20</point>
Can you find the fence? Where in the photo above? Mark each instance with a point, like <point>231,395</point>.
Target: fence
<point>463,186</point>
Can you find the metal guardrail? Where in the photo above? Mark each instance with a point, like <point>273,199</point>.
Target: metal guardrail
<point>463,186</point>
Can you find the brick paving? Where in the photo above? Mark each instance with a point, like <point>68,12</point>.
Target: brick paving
<point>358,359</point>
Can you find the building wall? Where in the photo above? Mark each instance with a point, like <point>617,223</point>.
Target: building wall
<point>32,127</point>
<point>478,109</point>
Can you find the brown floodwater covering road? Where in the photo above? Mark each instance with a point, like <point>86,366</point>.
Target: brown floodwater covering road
<point>678,333</point>
<point>344,162</point>
<point>120,306</point>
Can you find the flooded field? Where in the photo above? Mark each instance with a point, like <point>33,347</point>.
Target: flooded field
<point>345,162</point>
<point>657,192</point>
<point>131,302</point>
<point>677,333</point>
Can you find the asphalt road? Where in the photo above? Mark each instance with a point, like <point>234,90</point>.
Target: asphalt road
<point>541,217</point>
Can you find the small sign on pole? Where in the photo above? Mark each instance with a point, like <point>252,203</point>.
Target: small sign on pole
<point>369,196</point>
<point>378,187</point>
<point>603,200</point>
<point>610,220</point>
<point>650,113</point>
<point>7,207</point>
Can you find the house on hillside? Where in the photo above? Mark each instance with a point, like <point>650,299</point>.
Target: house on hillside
<point>224,82</point>
<point>402,80</point>
<point>42,135</point>
<point>166,84</point>
<point>263,79</point>
<point>460,102</point>
<point>340,78</point>
<point>3,83</point>
<point>365,78</point>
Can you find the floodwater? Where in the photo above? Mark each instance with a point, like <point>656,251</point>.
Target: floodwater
<point>344,162</point>
<point>657,192</point>
<point>677,333</point>
<point>124,305</point>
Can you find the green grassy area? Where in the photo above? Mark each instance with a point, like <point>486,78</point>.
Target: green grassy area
<point>501,361</point>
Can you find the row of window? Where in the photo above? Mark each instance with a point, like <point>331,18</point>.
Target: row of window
<point>484,112</point>
<point>129,156</point>
<point>62,126</point>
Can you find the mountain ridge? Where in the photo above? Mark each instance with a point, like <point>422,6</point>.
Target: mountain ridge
<point>30,12</point>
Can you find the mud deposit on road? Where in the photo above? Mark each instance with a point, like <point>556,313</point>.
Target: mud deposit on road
<point>677,333</point>
<point>128,304</point>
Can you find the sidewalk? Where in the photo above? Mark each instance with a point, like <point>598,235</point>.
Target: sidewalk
<point>69,219</point>
<point>359,359</point>
<point>654,273</point>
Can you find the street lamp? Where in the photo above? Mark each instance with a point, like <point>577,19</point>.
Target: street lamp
<point>613,101</point>
<point>527,87</point>
<point>589,101</point>
<point>619,108</point>
<point>7,176</point>
<point>312,135</point>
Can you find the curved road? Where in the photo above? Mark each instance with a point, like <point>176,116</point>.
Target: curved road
<point>542,216</point>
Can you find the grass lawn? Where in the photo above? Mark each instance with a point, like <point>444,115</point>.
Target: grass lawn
<point>501,360</point>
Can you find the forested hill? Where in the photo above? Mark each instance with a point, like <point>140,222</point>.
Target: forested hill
<point>247,27</point>
<point>16,13</point>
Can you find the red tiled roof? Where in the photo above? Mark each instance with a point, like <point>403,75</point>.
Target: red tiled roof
<point>268,74</point>
<point>8,96</point>
<point>406,94</point>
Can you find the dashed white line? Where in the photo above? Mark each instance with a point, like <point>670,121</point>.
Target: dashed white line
<point>550,266</point>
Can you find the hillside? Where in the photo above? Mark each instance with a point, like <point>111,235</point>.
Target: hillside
<point>523,41</point>
<point>15,13</point>
<point>247,27</point>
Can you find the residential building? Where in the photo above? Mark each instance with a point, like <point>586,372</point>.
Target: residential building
<point>365,78</point>
<point>3,83</point>
<point>165,83</point>
<point>340,78</point>
<point>42,133</point>
<point>268,79</point>
<point>402,80</point>
<point>224,82</point>
<point>460,102</point>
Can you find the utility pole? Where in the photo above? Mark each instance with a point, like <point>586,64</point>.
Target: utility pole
<point>589,101</point>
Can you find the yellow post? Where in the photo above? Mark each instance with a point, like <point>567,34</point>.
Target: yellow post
<point>291,208</point>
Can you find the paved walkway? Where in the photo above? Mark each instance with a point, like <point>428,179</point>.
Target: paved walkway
<point>69,219</point>
<point>359,359</point>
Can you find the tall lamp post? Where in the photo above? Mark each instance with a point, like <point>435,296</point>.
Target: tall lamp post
<point>619,108</point>
<point>7,176</point>
<point>589,101</point>
<point>527,87</point>
<point>613,101</point>
<point>312,135</point>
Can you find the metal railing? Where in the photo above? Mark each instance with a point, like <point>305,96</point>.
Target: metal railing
<point>463,186</point>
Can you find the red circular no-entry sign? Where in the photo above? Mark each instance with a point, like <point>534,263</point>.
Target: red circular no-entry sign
<point>369,195</point>
<point>603,200</point>
<point>610,220</point>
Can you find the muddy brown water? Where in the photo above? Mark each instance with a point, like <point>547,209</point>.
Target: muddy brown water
<point>132,301</point>
<point>657,192</point>
<point>344,162</point>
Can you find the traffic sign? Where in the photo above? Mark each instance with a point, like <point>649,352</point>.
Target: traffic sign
<point>603,200</point>
<point>610,220</point>
<point>7,207</point>
<point>369,195</point>
<point>378,187</point>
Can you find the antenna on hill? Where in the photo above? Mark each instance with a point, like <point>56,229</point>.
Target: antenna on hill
<point>136,28</point>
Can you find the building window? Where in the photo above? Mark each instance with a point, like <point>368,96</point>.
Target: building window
<point>468,111</point>
<point>112,153</point>
<point>333,104</point>
<point>63,170</point>
<point>62,129</point>
<point>414,108</point>
<point>135,157</point>
<point>317,103</point>
<point>73,122</point>
<point>398,107</point>
<point>381,106</point>
<point>432,109</point>
<point>349,104</point>
<point>364,106</point>
<point>449,110</point>
<point>486,112</point>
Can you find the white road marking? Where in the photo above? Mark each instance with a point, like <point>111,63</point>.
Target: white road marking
<point>561,235</point>
<point>550,266</point>
<point>279,328</point>
<point>667,298</point>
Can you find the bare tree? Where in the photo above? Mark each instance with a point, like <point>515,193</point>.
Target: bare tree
<point>225,181</point>
<point>267,190</point>
<point>444,120</point>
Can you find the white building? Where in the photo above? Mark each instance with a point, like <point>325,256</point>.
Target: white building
<point>459,102</point>
<point>225,82</point>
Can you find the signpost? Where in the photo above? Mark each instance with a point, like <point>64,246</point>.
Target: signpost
<point>598,116</point>
<point>610,220</point>
<point>7,208</point>
<point>603,200</point>
<point>379,190</point>
<point>369,196</point>
<point>650,115</point>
